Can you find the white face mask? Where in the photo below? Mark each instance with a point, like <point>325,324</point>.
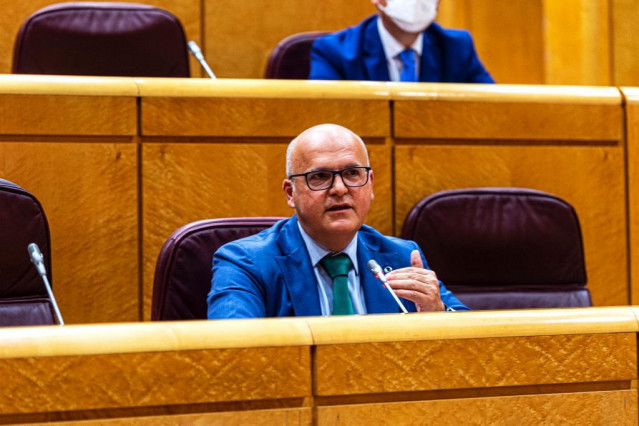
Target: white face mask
<point>412,16</point>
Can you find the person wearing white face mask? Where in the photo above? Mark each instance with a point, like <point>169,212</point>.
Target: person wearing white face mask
<point>400,43</point>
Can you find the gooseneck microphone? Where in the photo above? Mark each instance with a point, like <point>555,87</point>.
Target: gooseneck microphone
<point>197,52</point>
<point>377,271</point>
<point>38,260</point>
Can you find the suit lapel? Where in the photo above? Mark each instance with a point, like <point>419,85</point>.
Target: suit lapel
<point>378,298</point>
<point>374,56</point>
<point>294,267</point>
<point>431,64</point>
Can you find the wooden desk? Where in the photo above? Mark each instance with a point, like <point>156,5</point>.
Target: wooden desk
<point>572,366</point>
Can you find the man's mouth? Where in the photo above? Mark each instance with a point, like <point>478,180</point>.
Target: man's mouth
<point>339,207</point>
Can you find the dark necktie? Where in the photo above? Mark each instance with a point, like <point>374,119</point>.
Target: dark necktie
<point>337,268</point>
<point>409,72</point>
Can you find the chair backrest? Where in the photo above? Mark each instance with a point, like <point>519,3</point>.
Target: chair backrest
<point>291,58</point>
<point>23,297</point>
<point>101,38</point>
<point>502,248</point>
<point>183,270</point>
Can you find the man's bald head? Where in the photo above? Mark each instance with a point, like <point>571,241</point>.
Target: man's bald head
<point>319,134</point>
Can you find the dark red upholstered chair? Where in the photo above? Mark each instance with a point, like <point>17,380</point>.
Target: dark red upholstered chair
<point>291,58</point>
<point>23,296</point>
<point>101,38</point>
<point>183,270</point>
<point>502,248</point>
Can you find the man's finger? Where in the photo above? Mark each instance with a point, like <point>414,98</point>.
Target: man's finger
<point>416,259</point>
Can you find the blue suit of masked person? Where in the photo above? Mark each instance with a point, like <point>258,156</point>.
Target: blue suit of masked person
<point>369,50</point>
<point>280,271</point>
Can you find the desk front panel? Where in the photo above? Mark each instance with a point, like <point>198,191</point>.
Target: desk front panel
<point>126,384</point>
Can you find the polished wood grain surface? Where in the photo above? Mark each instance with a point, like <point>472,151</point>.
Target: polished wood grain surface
<point>258,89</point>
<point>290,416</point>
<point>235,49</point>
<point>625,70</point>
<point>462,364</point>
<point>260,117</point>
<point>586,58</point>
<point>23,84</point>
<point>67,115</point>
<point>519,19</point>
<point>593,408</point>
<point>155,379</point>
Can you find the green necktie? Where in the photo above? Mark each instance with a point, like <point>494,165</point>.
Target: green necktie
<point>337,268</point>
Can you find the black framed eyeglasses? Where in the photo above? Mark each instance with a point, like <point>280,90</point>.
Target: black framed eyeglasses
<point>319,180</point>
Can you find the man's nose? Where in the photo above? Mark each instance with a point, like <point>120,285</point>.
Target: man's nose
<point>338,185</point>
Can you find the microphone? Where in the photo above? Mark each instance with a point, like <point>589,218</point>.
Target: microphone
<point>197,52</point>
<point>38,260</point>
<point>377,271</point>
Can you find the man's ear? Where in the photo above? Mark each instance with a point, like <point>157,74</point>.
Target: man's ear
<point>370,178</point>
<point>287,186</point>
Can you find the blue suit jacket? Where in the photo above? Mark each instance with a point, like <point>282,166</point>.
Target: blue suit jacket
<point>356,53</point>
<point>270,275</point>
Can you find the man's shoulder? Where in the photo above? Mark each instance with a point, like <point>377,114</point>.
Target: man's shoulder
<point>371,235</point>
<point>449,35</point>
<point>348,36</point>
<point>263,240</point>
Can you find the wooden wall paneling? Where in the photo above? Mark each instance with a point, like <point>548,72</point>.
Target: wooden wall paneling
<point>76,155</point>
<point>15,13</point>
<point>88,190</point>
<point>575,151</point>
<point>512,50</point>
<point>259,117</point>
<point>49,115</point>
<point>241,35</point>
<point>577,37</point>
<point>624,43</point>
<point>631,95</point>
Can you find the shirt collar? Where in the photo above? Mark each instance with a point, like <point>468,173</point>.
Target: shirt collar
<point>317,252</point>
<point>392,47</point>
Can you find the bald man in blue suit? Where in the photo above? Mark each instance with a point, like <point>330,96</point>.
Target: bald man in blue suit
<point>368,51</point>
<point>280,271</point>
